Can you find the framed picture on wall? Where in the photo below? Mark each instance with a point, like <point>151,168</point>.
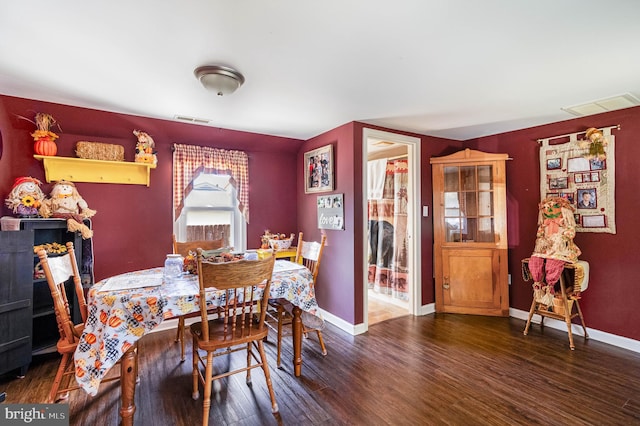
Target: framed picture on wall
<point>554,163</point>
<point>318,170</point>
<point>331,212</point>
<point>587,198</point>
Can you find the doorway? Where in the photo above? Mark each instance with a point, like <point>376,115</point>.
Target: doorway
<point>391,221</point>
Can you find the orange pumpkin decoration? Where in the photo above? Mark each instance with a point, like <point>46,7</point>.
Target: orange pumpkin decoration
<point>97,364</point>
<point>45,146</point>
<point>152,301</point>
<point>138,317</point>
<point>79,372</point>
<point>90,338</point>
<point>103,317</point>
<point>126,346</point>
<point>114,321</point>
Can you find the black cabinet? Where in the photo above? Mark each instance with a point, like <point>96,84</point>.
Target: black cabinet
<point>16,290</point>
<point>45,333</point>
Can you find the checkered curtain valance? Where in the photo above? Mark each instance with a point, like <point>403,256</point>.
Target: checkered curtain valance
<point>190,160</point>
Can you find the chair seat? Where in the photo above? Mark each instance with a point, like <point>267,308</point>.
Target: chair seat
<point>218,338</point>
<point>64,346</point>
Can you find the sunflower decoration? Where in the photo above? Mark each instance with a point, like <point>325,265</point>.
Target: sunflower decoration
<point>29,201</point>
<point>26,198</point>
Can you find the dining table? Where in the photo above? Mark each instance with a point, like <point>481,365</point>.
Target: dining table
<point>123,308</point>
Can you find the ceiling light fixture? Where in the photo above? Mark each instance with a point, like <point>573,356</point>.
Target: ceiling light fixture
<point>222,80</point>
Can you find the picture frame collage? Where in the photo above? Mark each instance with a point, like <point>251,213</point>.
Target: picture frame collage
<point>585,182</point>
<point>575,184</point>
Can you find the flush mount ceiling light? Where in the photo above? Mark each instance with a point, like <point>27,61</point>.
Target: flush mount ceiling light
<point>222,80</point>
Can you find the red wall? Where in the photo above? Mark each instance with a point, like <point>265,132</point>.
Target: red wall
<point>133,226</point>
<point>335,288</point>
<point>340,287</point>
<point>611,302</point>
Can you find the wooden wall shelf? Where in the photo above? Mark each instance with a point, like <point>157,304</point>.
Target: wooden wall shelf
<point>95,171</point>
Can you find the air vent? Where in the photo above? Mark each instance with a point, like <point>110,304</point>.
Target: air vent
<point>191,119</point>
<point>603,105</point>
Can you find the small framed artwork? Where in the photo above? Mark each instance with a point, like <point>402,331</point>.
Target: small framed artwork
<point>576,218</point>
<point>594,221</point>
<point>569,196</point>
<point>552,194</point>
<point>586,177</point>
<point>559,183</point>
<point>595,176</point>
<point>331,212</point>
<point>596,164</point>
<point>577,178</point>
<point>587,198</point>
<point>554,163</point>
<point>318,170</point>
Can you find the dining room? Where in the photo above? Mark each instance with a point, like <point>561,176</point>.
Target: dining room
<point>339,287</point>
<point>410,366</point>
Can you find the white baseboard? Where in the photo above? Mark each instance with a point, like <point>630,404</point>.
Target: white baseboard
<point>576,330</point>
<point>354,330</point>
<point>427,309</point>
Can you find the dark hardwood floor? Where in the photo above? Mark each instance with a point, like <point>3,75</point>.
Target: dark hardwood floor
<point>439,369</point>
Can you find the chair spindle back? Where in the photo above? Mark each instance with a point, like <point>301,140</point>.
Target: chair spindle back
<point>244,287</point>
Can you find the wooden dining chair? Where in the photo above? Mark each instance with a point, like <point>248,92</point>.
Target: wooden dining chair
<point>184,248</point>
<point>243,287</point>
<point>57,271</point>
<point>309,254</point>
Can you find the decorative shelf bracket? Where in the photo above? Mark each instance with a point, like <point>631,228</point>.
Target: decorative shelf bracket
<point>95,171</point>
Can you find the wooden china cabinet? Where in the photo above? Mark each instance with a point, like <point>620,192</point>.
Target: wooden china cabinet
<point>470,233</point>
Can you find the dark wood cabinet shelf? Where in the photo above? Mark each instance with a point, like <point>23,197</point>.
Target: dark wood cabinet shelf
<point>42,312</point>
<point>45,328</point>
<point>16,292</point>
<point>28,324</point>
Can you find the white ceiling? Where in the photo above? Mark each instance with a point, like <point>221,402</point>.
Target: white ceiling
<point>452,68</point>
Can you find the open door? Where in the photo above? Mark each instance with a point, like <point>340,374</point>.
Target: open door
<point>391,222</point>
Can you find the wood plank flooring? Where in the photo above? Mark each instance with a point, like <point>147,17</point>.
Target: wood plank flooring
<point>380,310</point>
<point>439,369</point>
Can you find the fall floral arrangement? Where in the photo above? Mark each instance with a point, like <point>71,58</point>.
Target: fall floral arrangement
<point>44,122</point>
<point>44,138</point>
<point>191,263</point>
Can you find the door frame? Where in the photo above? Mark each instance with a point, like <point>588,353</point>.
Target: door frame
<point>414,225</point>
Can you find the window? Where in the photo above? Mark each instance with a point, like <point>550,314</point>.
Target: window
<point>211,212</point>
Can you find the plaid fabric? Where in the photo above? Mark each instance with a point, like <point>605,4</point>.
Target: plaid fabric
<point>548,270</point>
<point>190,160</point>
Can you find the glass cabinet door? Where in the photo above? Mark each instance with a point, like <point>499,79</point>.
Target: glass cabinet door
<point>468,203</point>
